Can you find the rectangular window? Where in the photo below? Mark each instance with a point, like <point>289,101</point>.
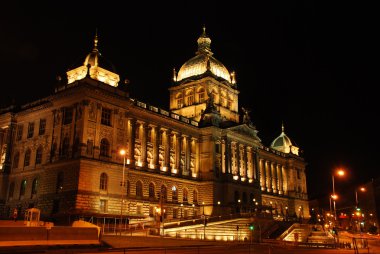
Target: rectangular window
<point>190,100</point>
<point>298,173</point>
<point>41,130</point>
<point>67,116</point>
<point>30,130</point>
<point>103,206</point>
<point>20,129</point>
<point>201,97</point>
<point>106,116</point>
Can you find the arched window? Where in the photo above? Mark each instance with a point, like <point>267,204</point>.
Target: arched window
<point>151,190</point>
<point>22,188</point>
<point>27,158</point>
<point>174,194</point>
<point>16,160</point>
<point>39,155</point>
<point>139,189</point>
<point>201,95</point>
<point>65,147</point>
<point>103,181</point>
<point>185,195</point>
<point>34,187</point>
<point>11,190</point>
<point>164,193</point>
<point>195,196</point>
<point>104,147</point>
<point>59,185</point>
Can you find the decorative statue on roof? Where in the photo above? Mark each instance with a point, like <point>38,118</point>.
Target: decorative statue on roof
<point>246,117</point>
<point>210,102</point>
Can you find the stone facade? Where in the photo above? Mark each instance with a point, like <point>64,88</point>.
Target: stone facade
<point>62,154</point>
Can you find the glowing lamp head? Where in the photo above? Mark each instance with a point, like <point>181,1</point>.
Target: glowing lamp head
<point>122,152</point>
<point>340,172</point>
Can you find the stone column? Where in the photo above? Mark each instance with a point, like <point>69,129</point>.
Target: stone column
<point>177,150</point>
<point>262,175</point>
<point>155,143</point>
<point>131,140</point>
<point>280,180</point>
<point>167,149</point>
<point>274,177</point>
<point>223,144</point>
<point>143,144</point>
<point>268,175</point>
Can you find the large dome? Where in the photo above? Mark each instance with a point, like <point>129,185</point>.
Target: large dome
<point>203,62</point>
<point>283,144</point>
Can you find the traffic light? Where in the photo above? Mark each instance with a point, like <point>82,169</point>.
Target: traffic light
<point>251,227</point>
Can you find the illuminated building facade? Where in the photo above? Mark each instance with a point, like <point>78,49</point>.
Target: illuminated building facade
<point>62,153</point>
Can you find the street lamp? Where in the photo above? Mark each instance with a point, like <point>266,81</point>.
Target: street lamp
<point>122,184</point>
<point>339,173</point>
<point>362,189</point>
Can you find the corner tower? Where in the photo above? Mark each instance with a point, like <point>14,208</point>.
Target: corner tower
<point>200,78</point>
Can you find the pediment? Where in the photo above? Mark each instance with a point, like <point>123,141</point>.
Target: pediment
<point>246,130</point>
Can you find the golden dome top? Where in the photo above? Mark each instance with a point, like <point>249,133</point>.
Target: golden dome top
<point>97,67</point>
<point>203,62</point>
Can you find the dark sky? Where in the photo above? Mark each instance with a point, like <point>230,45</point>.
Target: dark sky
<point>312,65</point>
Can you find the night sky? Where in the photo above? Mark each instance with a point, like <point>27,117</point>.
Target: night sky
<point>308,64</point>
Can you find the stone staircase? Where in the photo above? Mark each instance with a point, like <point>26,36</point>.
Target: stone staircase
<point>318,235</point>
<point>306,233</point>
<point>229,230</point>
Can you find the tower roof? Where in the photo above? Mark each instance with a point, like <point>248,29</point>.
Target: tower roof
<point>203,62</point>
<point>96,66</point>
<point>283,143</point>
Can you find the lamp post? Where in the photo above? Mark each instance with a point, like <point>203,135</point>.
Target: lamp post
<point>122,184</point>
<point>339,173</point>
<point>362,189</point>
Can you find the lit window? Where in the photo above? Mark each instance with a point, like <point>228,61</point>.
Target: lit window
<point>174,194</point>
<point>103,206</point>
<point>34,186</point>
<point>22,188</point>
